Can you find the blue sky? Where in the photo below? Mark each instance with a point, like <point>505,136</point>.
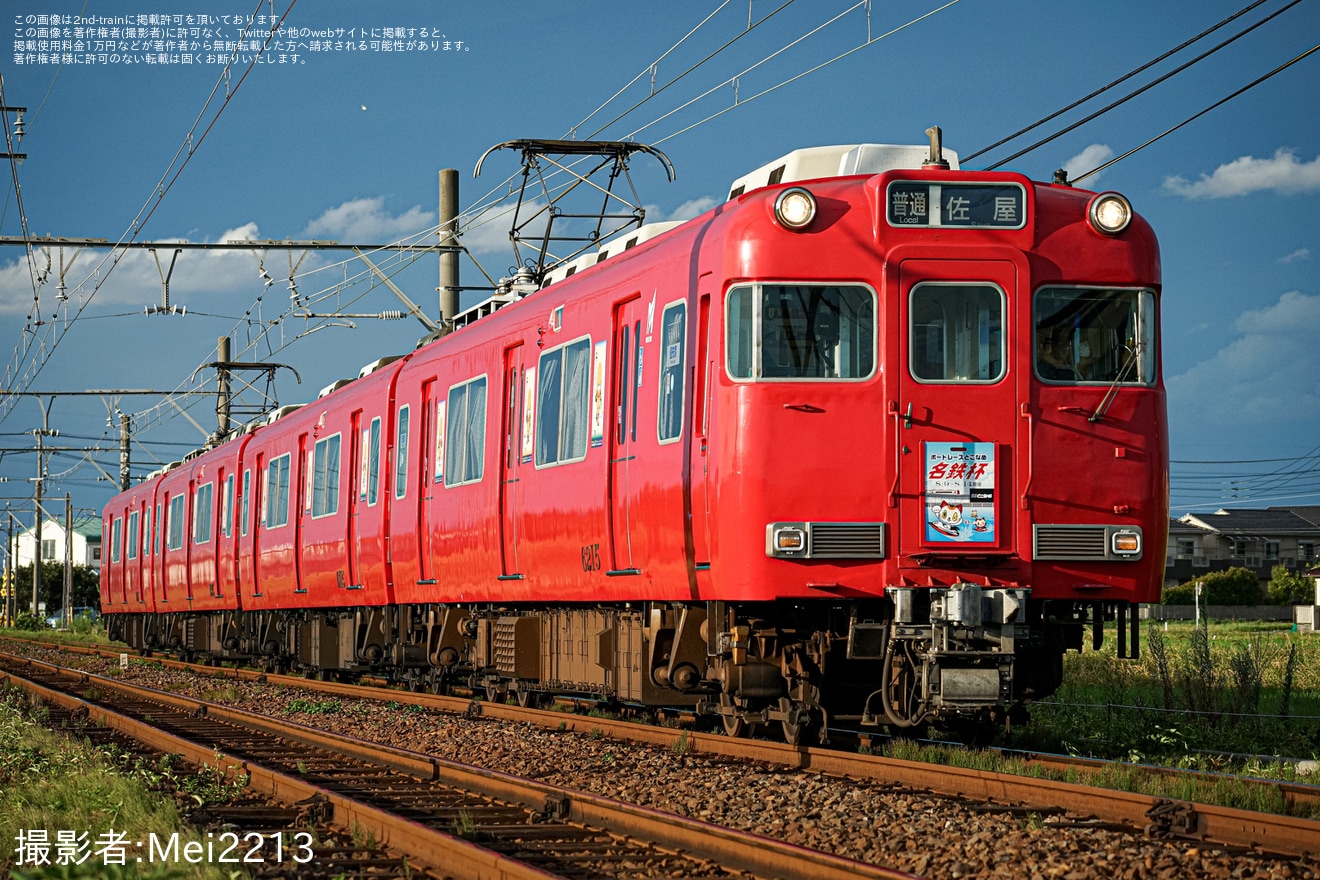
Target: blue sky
<point>329,143</point>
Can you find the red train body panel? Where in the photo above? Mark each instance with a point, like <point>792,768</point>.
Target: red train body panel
<point>735,446</point>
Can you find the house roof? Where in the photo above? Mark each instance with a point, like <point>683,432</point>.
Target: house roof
<point>1254,524</point>
<point>87,528</point>
<point>1310,513</point>
<point>1178,527</point>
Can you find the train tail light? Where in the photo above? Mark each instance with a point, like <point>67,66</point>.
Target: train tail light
<point>1109,213</point>
<point>795,208</point>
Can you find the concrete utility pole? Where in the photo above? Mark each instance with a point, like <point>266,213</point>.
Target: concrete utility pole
<point>41,478</point>
<point>449,288</point>
<point>125,451</point>
<point>68,560</point>
<point>222,382</point>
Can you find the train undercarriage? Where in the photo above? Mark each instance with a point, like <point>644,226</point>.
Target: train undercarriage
<point>964,658</point>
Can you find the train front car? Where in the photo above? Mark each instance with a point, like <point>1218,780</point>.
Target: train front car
<point>937,440</point>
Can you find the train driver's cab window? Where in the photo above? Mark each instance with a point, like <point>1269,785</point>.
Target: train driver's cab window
<point>801,331</point>
<point>956,333</point>
<point>1094,335</point>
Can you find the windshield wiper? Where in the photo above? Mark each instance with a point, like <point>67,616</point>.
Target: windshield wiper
<point>1112,393</point>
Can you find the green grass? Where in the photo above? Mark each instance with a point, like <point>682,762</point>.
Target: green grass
<point>1231,687</point>
<point>53,782</point>
<point>84,632</point>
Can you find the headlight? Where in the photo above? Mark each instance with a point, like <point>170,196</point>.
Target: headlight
<point>795,208</point>
<point>1109,213</point>
<point>1125,542</point>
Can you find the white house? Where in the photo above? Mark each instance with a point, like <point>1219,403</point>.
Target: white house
<point>86,543</point>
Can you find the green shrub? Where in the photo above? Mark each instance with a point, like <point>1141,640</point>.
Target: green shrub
<point>1235,586</point>
<point>1287,588</point>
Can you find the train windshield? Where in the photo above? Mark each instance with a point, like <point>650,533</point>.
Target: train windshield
<point>1094,335</point>
<point>801,331</point>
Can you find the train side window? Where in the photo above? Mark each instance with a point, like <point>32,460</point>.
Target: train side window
<point>801,332</point>
<point>956,333</point>
<point>202,514</point>
<point>175,539</point>
<point>243,507</point>
<point>277,491</point>
<point>673,341</point>
<point>160,530</point>
<point>116,527</point>
<point>325,476</point>
<point>563,398</point>
<point>227,507</point>
<point>147,526</point>
<point>1094,335</point>
<point>401,455</point>
<point>465,433</point>
<point>373,462</point>
<point>131,540</point>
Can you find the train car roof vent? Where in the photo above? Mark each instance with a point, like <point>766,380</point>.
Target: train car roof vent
<point>282,412</point>
<point>611,248</point>
<point>375,365</point>
<point>333,387</point>
<point>811,163</point>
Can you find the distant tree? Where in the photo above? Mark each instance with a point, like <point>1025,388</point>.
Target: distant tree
<point>86,587</point>
<point>1289,588</point>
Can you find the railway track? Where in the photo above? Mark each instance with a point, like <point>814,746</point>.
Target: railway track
<point>444,817</point>
<point>1140,813</point>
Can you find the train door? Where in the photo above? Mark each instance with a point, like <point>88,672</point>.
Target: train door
<point>356,467</point>
<point>426,452</point>
<point>302,507</point>
<point>956,416</point>
<point>626,381</point>
<point>515,393</point>
<point>699,463</point>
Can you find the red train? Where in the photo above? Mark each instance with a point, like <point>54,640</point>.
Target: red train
<point>876,438</point>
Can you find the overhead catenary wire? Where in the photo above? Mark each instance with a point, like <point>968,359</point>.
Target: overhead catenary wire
<point>1140,91</point>
<point>187,150</point>
<point>1122,79</point>
<point>1196,116</point>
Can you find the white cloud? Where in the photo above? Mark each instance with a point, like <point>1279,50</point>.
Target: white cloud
<point>1263,377</point>
<point>360,221</point>
<point>1092,157</point>
<point>692,208</point>
<point>1282,173</point>
<point>1299,254</point>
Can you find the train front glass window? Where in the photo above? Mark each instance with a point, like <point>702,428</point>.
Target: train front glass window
<point>800,331</point>
<point>956,333</point>
<point>1085,335</point>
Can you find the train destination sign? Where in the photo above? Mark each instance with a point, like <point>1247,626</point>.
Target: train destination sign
<point>959,205</point>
